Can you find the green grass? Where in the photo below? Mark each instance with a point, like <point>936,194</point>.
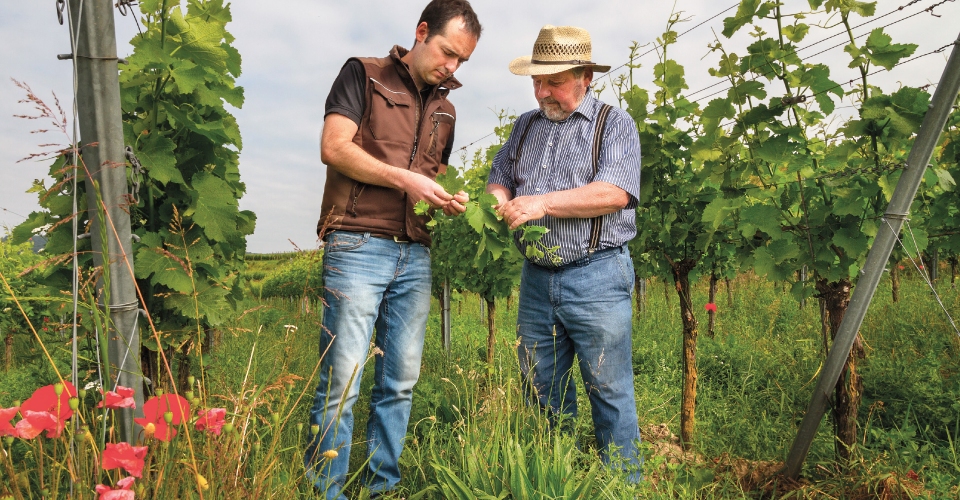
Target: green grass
<point>471,434</point>
<point>755,381</point>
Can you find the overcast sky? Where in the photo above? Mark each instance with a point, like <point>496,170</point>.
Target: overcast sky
<point>292,51</point>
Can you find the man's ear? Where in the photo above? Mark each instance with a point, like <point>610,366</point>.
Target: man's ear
<point>588,76</point>
<point>423,31</point>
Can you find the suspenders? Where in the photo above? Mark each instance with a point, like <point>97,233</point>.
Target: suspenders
<point>596,224</point>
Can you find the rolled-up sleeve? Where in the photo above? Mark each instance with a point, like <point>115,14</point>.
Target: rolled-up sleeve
<point>620,155</point>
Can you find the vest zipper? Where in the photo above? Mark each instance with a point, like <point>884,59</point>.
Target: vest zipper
<point>416,135</point>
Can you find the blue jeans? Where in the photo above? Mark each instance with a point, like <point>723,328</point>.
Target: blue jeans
<point>583,309</point>
<point>370,284</point>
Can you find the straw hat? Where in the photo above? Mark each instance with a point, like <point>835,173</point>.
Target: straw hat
<point>557,49</point>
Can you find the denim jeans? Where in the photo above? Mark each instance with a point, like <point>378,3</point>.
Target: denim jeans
<point>370,284</point>
<point>583,309</point>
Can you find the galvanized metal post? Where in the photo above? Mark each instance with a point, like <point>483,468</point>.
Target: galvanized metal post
<point>897,211</point>
<point>101,137</point>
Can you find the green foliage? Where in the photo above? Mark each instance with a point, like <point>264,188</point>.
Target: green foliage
<point>508,467</point>
<point>301,277</point>
<point>475,251</point>
<point>16,288</point>
<point>175,94</point>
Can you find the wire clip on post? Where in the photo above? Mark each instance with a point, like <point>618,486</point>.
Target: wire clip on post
<point>67,57</point>
<point>790,100</point>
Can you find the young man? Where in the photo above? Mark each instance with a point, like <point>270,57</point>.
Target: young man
<point>388,130</point>
<point>553,171</point>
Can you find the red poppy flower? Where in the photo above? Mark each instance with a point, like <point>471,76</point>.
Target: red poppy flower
<point>711,307</point>
<point>35,422</point>
<point>6,415</point>
<point>123,491</point>
<point>154,409</point>
<point>123,398</point>
<point>129,458</point>
<point>211,420</point>
<point>46,399</point>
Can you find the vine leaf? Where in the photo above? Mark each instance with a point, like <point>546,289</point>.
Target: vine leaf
<point>745,13</point>
<point>161,266</point>
<point>216,207</point>
<point>817,79</point>
<point>156,154</point>
<point>880,51</point>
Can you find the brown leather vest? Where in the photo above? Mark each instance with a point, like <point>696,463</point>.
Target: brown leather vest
<point>394,130</point>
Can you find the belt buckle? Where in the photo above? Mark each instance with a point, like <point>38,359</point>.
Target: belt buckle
<point>398,239</point>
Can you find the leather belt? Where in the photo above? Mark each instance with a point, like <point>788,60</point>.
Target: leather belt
<point>398,239</point>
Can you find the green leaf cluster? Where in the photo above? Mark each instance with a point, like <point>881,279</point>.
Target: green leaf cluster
<point>176,92</point>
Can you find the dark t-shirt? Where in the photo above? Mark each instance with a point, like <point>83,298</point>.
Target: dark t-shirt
<point>346,98</point>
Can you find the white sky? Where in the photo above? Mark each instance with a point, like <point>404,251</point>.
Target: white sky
<point>291,54</point>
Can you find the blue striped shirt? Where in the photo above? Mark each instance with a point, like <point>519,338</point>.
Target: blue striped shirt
<point>557,156</point>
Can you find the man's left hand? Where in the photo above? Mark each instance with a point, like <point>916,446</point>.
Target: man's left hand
<point>456,205</point>
<point>522,209</point>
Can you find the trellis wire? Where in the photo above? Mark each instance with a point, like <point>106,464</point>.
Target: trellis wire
<point>922,272</point>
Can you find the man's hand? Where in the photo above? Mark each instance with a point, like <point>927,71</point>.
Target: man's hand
<point>421,187</point>
<point>456,205</point>
<point>522,209</point>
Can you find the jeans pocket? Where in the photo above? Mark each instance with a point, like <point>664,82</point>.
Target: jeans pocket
<point>343,241</point>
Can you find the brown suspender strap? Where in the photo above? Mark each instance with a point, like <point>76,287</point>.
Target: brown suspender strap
<point>523,139</point>
<point>596,224</point>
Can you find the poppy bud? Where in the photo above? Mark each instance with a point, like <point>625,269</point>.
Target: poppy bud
<point>168,417</point>
<point>82,393</point>
<point>330,454</point>
<point>275,418</point>
<point>74,404</point>
<point>300,428</point>
<point>314,429</point>
<point>159,392</point>
<point>58,388</point>
<point>202,483</point>
<point>228,427</point>
<point>191,380</point>
<point>188,394</point>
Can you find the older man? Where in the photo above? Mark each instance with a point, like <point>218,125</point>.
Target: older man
<point>387,132</point>
<point>573,166</point>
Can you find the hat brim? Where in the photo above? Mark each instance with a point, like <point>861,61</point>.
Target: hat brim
<point>525,67</point>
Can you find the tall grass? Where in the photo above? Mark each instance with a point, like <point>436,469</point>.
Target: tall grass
<point>471,434</point>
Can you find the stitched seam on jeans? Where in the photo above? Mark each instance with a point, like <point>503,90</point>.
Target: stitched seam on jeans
<point>346,245</point>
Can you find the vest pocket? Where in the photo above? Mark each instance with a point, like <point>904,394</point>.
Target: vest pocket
<point>391,114</point>
<point>442,124</point>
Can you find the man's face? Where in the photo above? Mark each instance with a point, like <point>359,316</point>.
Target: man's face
<point>433,61</point>
<point>559,94</point>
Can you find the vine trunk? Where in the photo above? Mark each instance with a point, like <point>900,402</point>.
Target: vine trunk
<point>848,392</point>
<point>688,404</point>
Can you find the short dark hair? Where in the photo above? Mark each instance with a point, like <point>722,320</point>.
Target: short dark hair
<point>438,13</point>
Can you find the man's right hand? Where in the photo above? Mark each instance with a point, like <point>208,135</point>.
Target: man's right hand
<point>420,187</point>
